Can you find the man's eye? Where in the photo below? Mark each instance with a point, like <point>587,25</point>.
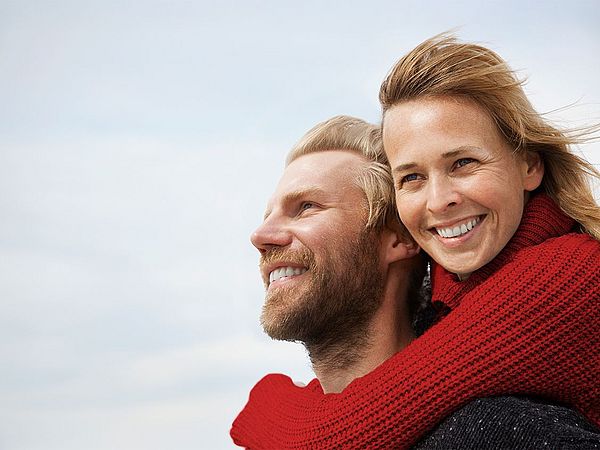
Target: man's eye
<point>306,205</point>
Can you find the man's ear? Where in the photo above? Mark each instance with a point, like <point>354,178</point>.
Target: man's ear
<point>396,245</point>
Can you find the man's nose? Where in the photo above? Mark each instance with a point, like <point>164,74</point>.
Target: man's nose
<point>271,233</point>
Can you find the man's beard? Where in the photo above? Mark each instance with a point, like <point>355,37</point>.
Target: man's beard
<point>335,302</point>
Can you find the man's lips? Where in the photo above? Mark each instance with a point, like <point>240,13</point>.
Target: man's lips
<point>285,271</point>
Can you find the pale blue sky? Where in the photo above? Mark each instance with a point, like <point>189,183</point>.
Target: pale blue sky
<point>139,142</point>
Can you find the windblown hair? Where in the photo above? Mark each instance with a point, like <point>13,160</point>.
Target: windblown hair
<point>355,135</point>
<point>442,66</point>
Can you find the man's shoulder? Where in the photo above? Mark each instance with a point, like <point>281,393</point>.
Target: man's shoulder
<point>512,423</point>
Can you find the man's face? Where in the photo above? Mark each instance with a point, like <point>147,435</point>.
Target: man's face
<point>320,266</point>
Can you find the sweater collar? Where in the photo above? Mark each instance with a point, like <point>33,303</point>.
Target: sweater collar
<point>542,220</point>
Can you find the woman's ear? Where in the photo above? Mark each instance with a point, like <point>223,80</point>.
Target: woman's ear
<point>533,171</point>
<point>396,245</point>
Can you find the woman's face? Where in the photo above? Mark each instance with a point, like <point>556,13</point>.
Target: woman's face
<point>460,189</point>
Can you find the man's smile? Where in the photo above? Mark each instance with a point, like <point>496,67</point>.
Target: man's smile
<point>288,271</point>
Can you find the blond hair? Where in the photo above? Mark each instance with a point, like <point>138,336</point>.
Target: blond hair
<point>355,135</point>
<point>442,66</point>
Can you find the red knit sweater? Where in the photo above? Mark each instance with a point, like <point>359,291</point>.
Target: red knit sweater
<point>528,322</point>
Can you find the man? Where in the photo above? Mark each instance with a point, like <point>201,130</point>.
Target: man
<point>335,263</point>
<point>342,276</point>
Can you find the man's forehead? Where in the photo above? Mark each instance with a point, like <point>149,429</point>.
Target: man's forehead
<point>322,168</point>
<point>320,173</point>
<point>337,166</point>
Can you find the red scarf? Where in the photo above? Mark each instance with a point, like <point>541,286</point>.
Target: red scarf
<point>526,323</point>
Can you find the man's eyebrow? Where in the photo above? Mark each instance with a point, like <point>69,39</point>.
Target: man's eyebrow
<point>446,155</point>
<point>292,196</point>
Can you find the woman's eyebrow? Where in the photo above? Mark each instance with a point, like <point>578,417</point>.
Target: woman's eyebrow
<point>446,155</point>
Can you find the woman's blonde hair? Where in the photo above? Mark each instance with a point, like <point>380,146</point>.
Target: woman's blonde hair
<point>442,66</point>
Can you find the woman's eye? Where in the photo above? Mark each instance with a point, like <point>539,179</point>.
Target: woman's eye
<point>408,181</point>
<point>464,161</point>
<point>408,178</point>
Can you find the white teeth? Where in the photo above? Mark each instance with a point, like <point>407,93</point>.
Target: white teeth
<point>281,272</point>
<point>458,230</point>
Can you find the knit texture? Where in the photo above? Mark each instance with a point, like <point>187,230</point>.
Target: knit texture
<point>512,423</point>
<point>526,323</point>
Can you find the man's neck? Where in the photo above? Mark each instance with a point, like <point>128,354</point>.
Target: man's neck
<point>336,364</point>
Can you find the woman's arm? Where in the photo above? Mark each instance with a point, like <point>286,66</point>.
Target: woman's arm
<point>533,327</point>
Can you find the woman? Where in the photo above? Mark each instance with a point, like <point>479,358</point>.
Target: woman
<point>490,191</point>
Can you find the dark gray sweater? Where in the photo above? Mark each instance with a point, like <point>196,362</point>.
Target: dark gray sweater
<point>512,423</point>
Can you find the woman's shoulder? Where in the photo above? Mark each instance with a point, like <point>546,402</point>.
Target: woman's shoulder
<point>551,272</point>
<point>558,268</point>
<point>568,247</point>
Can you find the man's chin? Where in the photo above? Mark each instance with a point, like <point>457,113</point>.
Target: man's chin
<point>281,321</point>
<point>279,331</point>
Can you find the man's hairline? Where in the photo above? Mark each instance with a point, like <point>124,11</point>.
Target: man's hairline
<point>358,179</point>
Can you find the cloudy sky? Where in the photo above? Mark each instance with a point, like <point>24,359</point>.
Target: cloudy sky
<point>139,142</point>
